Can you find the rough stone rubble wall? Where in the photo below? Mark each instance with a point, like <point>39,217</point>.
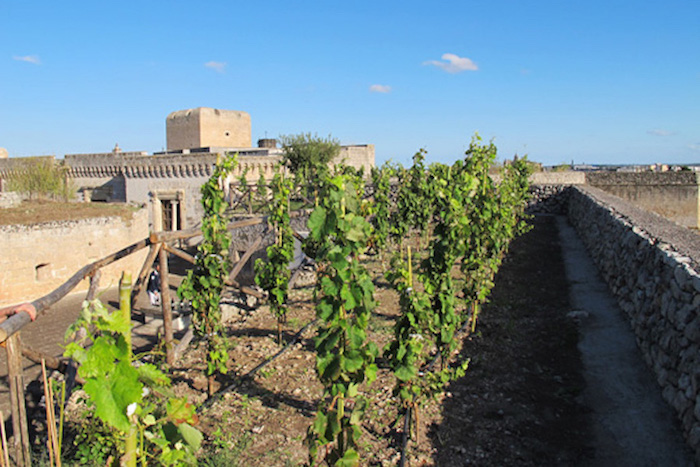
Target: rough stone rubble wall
<point>651,266</point>
<point>548,199</point>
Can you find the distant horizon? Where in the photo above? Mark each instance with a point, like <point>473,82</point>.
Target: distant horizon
<point>572,163</point>
<point>597,82</point>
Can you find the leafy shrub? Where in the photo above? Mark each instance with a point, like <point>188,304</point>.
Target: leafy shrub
<point>42,178</point>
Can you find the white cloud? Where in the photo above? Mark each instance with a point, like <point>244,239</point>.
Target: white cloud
<point>383,88</point>
<point>658,132</point>
<point>29,59</point>
<point>453,63</point>
<point>219,67</point>
<point>694,147</point>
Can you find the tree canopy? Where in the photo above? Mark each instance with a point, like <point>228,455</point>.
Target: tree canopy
<point>306,154</point>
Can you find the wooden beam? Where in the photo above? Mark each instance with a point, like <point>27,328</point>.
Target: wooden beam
<point>243,288</point>
<point>167,236</point>
<point>179,253</point>
<point>51,362</point>
<point>244,259</point>
<point>184,342</point>
<point>157,237</point>
<point>16,322</point>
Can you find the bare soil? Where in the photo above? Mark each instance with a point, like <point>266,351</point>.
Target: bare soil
<point>40,211</point>
<point>517,404</point>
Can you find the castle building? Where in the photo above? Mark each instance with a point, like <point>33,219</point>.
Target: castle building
<point>169,182</point>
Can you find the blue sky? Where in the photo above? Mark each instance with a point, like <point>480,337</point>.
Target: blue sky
<point>589,81</point>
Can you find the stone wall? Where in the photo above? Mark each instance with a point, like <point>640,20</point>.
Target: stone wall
<point>652,267</point>
<point>548,199</point>
<point>10,199</point>
<point>549,191</point>
<point>7,166</point>
<point>37,259</point>
<point>155,179</point>
<point>674,195</point>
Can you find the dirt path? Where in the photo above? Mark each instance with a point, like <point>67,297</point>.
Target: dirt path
<point>631,423</point>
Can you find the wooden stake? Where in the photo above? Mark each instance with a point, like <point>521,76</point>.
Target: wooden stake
<point>15,378</point>
<point>165,303</point>
<point>52,441</point>
<point>4,455</point>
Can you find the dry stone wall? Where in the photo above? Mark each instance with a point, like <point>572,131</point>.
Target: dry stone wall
<point>37,259</point>
<point>548,199</point>
<point>549,191</point>
<point>652,267</point>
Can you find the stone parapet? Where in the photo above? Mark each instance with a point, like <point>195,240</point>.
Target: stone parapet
<point>674,195</point>
<point>12,164</point>
<point>558,178</point>
<point>652,267</point>
<point>642,178</point>
<point>38,258</point>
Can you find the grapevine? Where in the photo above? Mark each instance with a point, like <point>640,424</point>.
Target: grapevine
<point>381,179</point>
<point>132,398</point>
<point>273,275</point>
<point>413,208</point>
<point>203,284</point>
<point>344,357</point>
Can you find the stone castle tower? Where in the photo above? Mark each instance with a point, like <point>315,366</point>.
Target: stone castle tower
<point>205,127</point>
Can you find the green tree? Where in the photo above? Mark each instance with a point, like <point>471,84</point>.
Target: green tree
<point>307,155</point>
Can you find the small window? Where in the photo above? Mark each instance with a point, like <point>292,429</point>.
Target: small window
<point>227,134</point>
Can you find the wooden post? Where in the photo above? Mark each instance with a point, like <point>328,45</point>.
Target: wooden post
<point>165,303</point>
<point>20,430</point>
